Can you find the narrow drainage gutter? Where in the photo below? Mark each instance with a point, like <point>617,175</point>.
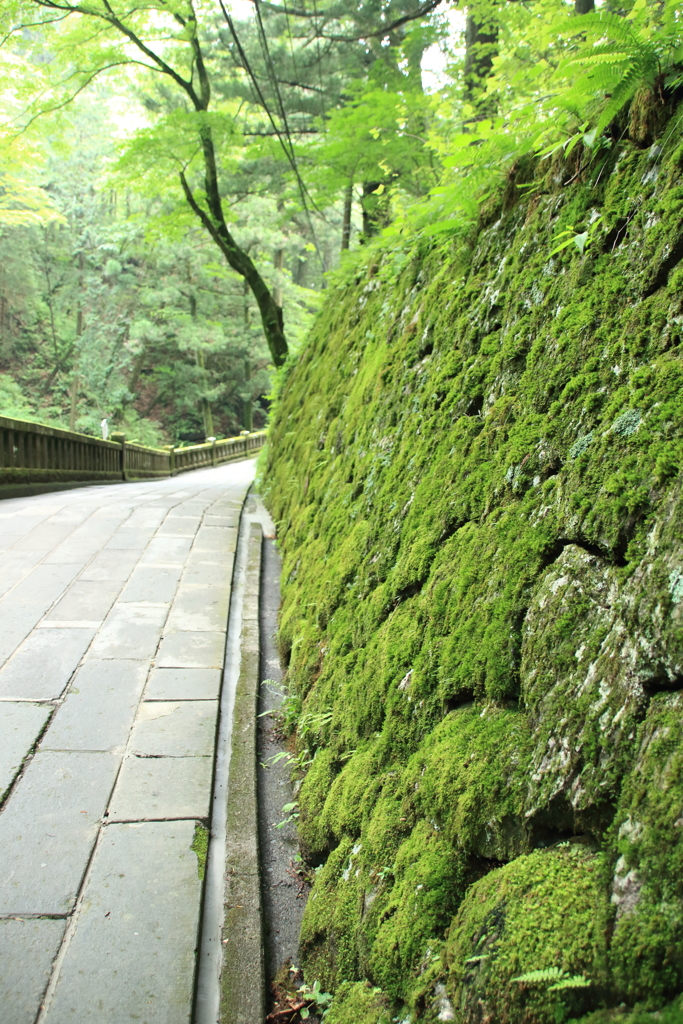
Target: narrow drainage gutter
<point>209,964</point>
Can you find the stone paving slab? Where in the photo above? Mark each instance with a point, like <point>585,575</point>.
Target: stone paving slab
<point>130,538</point>
<point>217,540</point>
<point>200,608</point>
<point>167,551</point>
<point>175,728</point>
<point>184,684</point>
<point>138,924</point>
<point>111,565</point>
<point>44,664</point>
<point>15,565</point>
<point>175,525</point>
<point>152,583</point>
<point>191,650</point>
<point>212,573</point>
<point>130,631</point>
<point>25,605</point>
<point>86,540</point>
<point>27,949</point>
<point>48,828</point>
<point>99,708</point>
<point>86,600</point>
<point>162,787</point>
<point>20,727</point>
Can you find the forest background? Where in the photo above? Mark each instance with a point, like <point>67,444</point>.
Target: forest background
<point>177,181</point>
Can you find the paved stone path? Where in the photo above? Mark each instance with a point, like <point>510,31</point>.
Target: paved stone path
<point>113,613</point>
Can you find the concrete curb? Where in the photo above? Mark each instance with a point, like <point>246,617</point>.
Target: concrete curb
<point>243,973</point>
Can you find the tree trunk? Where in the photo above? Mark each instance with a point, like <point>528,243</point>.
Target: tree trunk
<point>215,223</point>
<point>375,207</point>
<point>346,223</point>
<point>481,46</point>
<point>584,6</point>
<point>278,262</point>
<point>247,404</point>
<point>75,381</point>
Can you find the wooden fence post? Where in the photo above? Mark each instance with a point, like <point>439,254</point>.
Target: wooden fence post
<point>121,439</point>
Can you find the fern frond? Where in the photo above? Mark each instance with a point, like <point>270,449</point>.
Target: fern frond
<point>602,23</point>
<point>549,974</point>
<point>621,95</point>
<point>577,981</point>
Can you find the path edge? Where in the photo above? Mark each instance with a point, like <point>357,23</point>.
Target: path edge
<point>243,971</point>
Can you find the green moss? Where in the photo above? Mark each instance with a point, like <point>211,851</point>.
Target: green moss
<point>200,845</point>
<point>547,909</point>
<point>475,465</point>
<point>671,1014</point>
<point>647,948</point>
<point>358,1003</point>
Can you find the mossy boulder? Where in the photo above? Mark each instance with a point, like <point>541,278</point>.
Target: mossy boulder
<point>476,465</point>
<point>358,1003</point>
<point>547,909</point>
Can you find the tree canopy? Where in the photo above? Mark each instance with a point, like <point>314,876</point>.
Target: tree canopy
<point>177,178</point>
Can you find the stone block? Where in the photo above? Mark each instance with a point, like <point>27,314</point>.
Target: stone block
<point>201,608</point>
<point>189,649</point>
<point>130,631</point>
<point>44,663</point>
<point>85,600</point>
<point>184,684</point>
<point>27,950</point>
<point>20,727</point>
<point>154,583</point>
<point>175,729</point>
<point>99,708</point>
<point>162,787</point>
<point>48,828</point>
<point>132,955</point>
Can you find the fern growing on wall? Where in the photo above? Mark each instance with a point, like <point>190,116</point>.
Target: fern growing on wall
<point>619,56</point>
<point>586,69</point>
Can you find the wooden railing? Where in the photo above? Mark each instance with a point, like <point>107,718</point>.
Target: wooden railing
<point>37,457</point>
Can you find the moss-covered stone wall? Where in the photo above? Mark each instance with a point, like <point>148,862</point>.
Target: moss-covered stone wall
<point>476,471</point>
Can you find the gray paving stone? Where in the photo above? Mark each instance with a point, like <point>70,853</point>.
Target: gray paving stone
<point>48,828</point>
<point>27,950</point>
<point>147,517</point>
<point>162,787</point>
<point>99,708</point>
<point>44,538</point>
<point>20,726</point>
<point>183,684</point>
<point>130,631</point>
<point>215,572</point>
<point>44,664</point>
<point>218,540</point>
<point>14,565</point>
<point>86,540</point>
<point>85,600</point>
<point>179,525</point>
<point>191,650</point>
<point>26,604</point>
<point>228,519</point>
<point>111,565</point>
<point>166,551</point>
<point>130,538</point>
<point>175,728</point>
<point>200,608</point>
<point>152,583</point>
<point>132,954</point>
